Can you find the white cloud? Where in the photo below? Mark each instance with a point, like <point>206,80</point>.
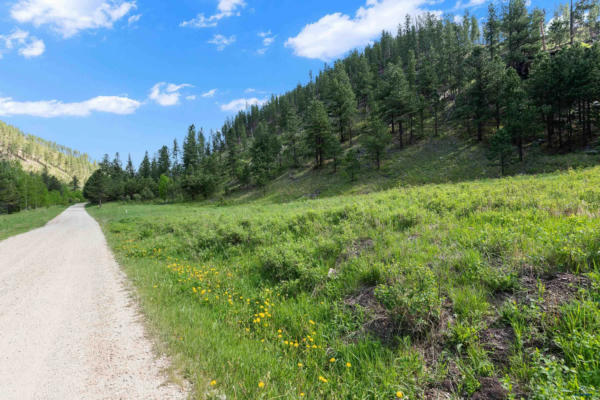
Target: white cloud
<point>210,93</point>
<point>29,46</point>
<point>133,19</point>
<point>242,104</point>
<point>471,3</point>
<point>225,8</point>
<point>250,90</point>
<point>55,108</point>
<point>167,94</point>
<point>191,97</point>
<point>267,40</point>
<point>34,48</point>
<point>222,41</point>
<point>335,34</point>
<point>69,17</point>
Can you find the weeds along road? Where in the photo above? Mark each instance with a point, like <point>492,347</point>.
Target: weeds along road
<point>68,327</point>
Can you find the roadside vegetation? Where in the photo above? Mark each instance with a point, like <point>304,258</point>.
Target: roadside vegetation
<point>25,221</point>
<point>486,290</point>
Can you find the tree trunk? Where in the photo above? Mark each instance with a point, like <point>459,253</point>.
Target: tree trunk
<point>435,126</point>
<point>550,128</point>
<point>411,129</point>
<point>422,122</point>
<point>479,130</point>
<point>401,133</point>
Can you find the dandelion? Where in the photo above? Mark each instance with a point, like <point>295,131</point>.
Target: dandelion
<point>301,394</point>
<point>399,394</point>
<point>300,365</point>
<point>348,365</point>
<point>322,379</point>
<point>213,383</point>
<point>332,360</point>
<point>261,384</point>
<point>310,321</point>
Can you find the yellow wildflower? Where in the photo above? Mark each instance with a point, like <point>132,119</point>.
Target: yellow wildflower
<point>213,383</point>
<point>261,384</point>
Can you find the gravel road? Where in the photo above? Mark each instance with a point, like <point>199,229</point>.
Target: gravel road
<point>69,328</point>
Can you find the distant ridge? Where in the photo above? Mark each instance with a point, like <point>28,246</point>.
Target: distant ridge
<point>35,154</point>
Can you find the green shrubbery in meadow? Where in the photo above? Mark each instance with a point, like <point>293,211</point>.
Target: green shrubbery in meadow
<point>464,290</point>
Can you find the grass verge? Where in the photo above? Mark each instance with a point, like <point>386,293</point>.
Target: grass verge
<point>24,221</point>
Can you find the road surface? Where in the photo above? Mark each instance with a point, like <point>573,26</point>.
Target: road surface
<point>69,328</point>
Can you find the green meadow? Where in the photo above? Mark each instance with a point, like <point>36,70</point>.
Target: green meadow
<point>14,224</point>
<point>441,291</point>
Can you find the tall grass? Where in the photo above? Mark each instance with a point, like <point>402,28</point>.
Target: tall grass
<point>379,296</point>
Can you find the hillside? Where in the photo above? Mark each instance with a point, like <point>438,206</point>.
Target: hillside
<point>34,154</point>
<point>485,289</point>
<point>447,159</point>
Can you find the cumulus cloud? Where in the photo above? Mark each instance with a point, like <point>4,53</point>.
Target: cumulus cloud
<point>27,45</point>
<point>210,93</point>
<point>225,9</point>
<point>222,41</point>
<point>55,108</point>
<point>335,34</point>
<point>69,17</point>
<point>190,97</point>
<point>242,104</point>
<point>167,94</point>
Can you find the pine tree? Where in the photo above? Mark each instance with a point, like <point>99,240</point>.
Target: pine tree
<point>190,151</point>
<point>342,101</point>
<point>491,31</point>
<point>164,161</point>
<point>264,152</point>
<point>318,131</point>
<point>129,170</point>
<point>145,169</point>
<point>394,98</point>
<point>375,139</point>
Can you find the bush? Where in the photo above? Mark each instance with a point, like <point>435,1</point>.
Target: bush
<point>413,301</point>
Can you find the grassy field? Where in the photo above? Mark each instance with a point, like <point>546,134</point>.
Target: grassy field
<point>24,221</point>
<point>486,289</point>
<point>448,159</point>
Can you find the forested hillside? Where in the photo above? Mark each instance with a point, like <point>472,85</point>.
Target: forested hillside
<point>21,190</point>
<point>512,84</point>
<point>36,155</point>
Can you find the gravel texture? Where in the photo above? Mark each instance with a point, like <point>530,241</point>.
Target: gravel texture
<point>69,328</point>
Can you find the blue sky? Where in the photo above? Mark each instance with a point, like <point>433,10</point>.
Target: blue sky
<point>103,76</point>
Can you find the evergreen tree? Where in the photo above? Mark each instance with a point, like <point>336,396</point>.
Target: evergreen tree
<point>190,151</point>
<point>501,149</point>
<point>318,131</point>
<point>164,161</point>
<point>97,187</point>
<point>129,170</point>
<point>352,164</point>
<point>376,139</point>
<point>394,97</point>
<point>342,101</point>
<point>264,152</point>
<point>145,169</point>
